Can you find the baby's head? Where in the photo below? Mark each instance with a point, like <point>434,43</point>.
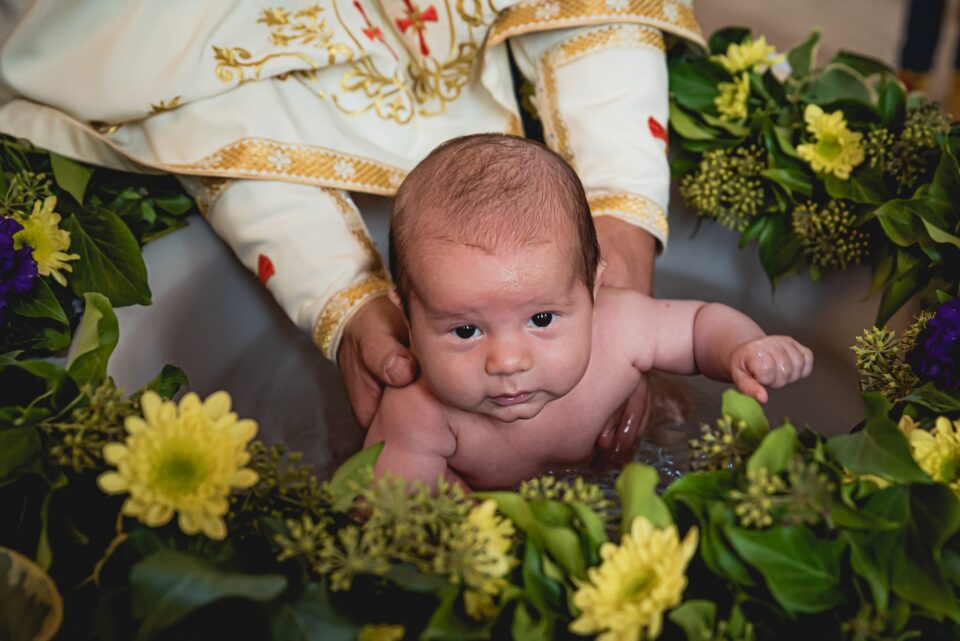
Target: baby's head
<point>495,261</point>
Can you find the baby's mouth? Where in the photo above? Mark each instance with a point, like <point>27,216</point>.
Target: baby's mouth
<point>511,399</point>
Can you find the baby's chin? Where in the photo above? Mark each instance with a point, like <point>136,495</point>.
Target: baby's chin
<point>513,413</point>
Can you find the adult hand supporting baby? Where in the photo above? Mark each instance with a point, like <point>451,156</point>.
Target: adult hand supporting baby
<point>628,252</point>
<point>372,355</point>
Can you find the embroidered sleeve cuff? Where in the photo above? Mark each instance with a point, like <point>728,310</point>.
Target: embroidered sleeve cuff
<point>328,329</point>
<point>634,209</point>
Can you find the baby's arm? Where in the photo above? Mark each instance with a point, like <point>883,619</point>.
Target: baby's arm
<point>724,344</point>
<point>416,435</point>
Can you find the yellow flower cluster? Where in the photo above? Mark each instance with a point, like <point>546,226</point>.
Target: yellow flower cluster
<point>484,539</point>
<point>732,101</point>
<point>626,596</point>
<point>41,231</point>
<point>937,452</point>
<point>747,56</point>
<point>184,459</point>
<point>836,150</point>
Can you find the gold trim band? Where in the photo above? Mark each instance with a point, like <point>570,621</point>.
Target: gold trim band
<point>634,209</point>
<point>671,16</point>
<point>609,36</point>
<point>271,159</point>
<point>329,326</point>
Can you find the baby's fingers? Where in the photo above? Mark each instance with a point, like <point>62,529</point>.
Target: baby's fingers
<point>748,384</point>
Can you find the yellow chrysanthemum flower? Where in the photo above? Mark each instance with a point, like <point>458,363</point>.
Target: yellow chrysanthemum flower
<point>484,540</point>
<point>381,632</point>
<point>41,231</point>
<point>732,101</point>
<point>627,594</point>
<point>746,56</point>
<point>938,452</point>
<point>837,150</point>
<point>182,459</point>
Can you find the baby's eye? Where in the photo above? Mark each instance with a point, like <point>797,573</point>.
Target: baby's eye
<point>542,319</point>
<point>466,331</point>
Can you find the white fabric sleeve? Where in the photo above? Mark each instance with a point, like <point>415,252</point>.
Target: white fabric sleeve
<point>602,96</point>
<point>308,245</point>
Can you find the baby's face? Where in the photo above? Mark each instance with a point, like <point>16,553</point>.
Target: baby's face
<point>501,334</point>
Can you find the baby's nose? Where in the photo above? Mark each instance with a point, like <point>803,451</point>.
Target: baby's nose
<point>505,358</point>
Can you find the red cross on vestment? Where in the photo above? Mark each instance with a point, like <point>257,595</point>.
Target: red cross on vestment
<point>417,19</point>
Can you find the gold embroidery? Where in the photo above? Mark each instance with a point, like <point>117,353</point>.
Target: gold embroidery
<point>540,15</point>
<point>617,35</point>
<point>443,83</point>
<point>337,310</point>
<point>474,16</point>
<point>554,129</point>
<point>164,105</point>
<point>355,224</point>
<point>264,158</point>
<point>389,97</point>
<point>634,209</point>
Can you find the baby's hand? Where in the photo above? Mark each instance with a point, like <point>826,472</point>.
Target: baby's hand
<point>773,361</point>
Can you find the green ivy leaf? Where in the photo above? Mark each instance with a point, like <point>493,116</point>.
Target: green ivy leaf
<point>637,488</point>
<point>19,453</point>
<point>447,625</point>
<point>745,408</point>
<point>97,336</point>
<point>775,451</point>
<point>688,128</point>
<point>311,617</point>
<point>907,281</point>
<point>792,180</point>
<point>934,399</point>
<point>865,187</point>
<point>803,57</point>
<point>168,382</point>
<point>802,571</point>
<point>892,104</point>
<point>839,83</point>
<point>696,617</point>
<point>110,259</point>
<point>723,38</point>
<point>345,481</point>
<point>879,448</point>
<point>864,65</point>
<point>169,585</point>
<point>70,175</point>
<point>898,219</point>
<point>693,82</point>
<point>40,303</point>
<point>780,252</point>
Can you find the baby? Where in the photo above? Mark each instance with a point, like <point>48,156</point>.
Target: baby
<point>523,354</point>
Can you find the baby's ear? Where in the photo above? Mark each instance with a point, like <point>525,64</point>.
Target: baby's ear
<point>598,277</point>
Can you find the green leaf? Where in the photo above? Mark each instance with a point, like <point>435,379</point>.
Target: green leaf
<point>780,252</point>
<point>790,179</point>
<point>879,448</point>
<point>637,488</point>
<point>528,627</point>
<point>837,83</point>
<point>311,617</point>
<point>803,57</point>
<point>802,572</point>
<point>745,408</point>
<point>19,453</point>
<point>97,336</point>
<point>693,82</point>
<point>881,272</point>
<point>345,481</point>
<point>899,221</point>
<point>169,585</point>
<point>864,65</point>
<point>753,230</point>
<point>110,260</point>
<point>545,593</point>
<point>775,451</point>
<point>446,625</point>
<point>906,282</point>
<point>723,38</point>
<point>697,618</point>
<point>40,303</point>
<point>934,399</point>
<point>70,175</point>
<point>865,187</point>
<point>892,104</point>
<point>688,128</point>
<point>168,382</point>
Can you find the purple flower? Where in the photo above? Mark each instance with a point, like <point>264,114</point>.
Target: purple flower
<point>18,269</point>
<point>936,357</point>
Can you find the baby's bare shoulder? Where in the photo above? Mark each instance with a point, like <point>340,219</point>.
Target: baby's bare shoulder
<point>413,416</point>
